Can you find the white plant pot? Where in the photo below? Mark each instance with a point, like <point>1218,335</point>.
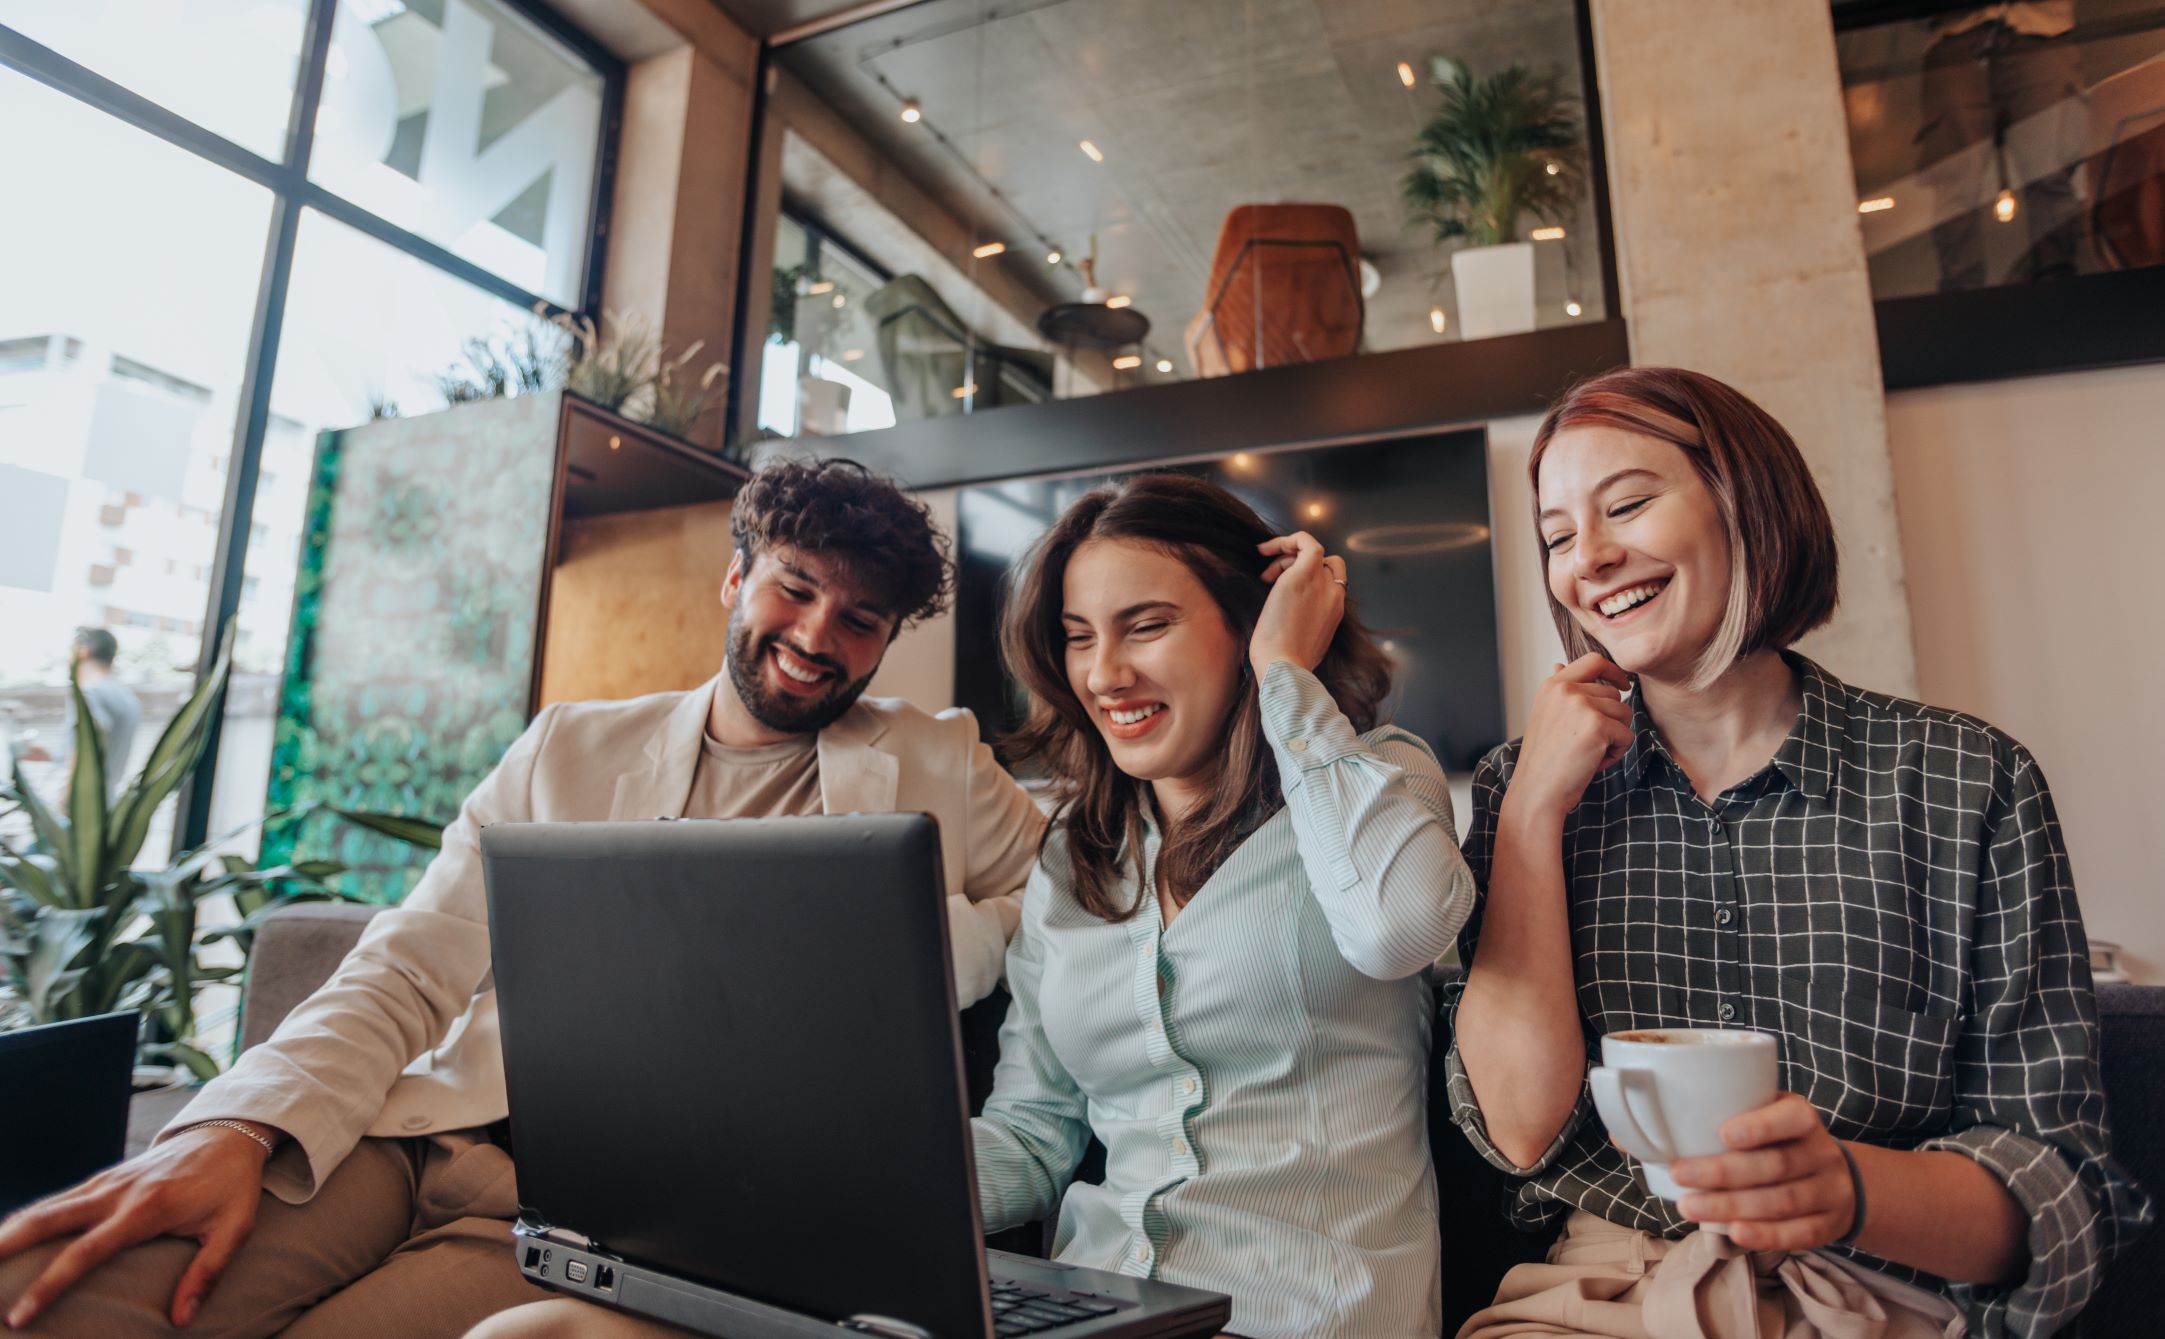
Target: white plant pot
<point>1495,287</point>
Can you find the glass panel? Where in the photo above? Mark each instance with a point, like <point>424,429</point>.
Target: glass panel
<point>1083,196</point>
<point>462,122</point>
<point>227,65</point>
<point>122,344</point>
<point>2008,144</point>
<point>408,681</point>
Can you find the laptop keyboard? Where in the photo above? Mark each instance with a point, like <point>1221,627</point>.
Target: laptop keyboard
<point>1019,1310</point>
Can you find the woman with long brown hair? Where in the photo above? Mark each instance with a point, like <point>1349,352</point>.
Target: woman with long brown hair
<point>1220,970</point>
<point>1702,829</point>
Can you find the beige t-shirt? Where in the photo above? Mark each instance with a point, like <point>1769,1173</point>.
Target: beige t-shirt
<point>772,781</point>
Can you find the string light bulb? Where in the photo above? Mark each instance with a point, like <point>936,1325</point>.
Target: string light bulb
<point>1436,319</point>
<point>1052,257</point>
<point>912,111</point>
<point>1118,300</point>
<point>1405,74</point>
<point>2004,207</point>
<point>989,250</point>
<point>1572,308</point>
<point>1165,364</point>
<point>1128,360</point>
<point>1091,151</point>
<point>1553,168</point>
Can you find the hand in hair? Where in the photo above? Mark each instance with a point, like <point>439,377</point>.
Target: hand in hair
<point>1306,603</point>
<point>1579,727</point>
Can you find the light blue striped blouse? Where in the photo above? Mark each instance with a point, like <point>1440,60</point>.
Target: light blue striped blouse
<point>1257,1074</point>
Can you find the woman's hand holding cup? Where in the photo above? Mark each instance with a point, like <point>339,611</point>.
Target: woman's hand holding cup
<point>1783,1186</point>
<point>1307,601</point>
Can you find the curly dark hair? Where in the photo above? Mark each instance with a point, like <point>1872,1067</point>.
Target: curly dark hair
<point>882,537</point>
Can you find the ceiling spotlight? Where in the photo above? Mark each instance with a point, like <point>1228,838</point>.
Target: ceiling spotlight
<point>912,113</point>
<point>1092,152</point>
<point>1405,74</point>
<point>1572,308</point>
<point>1165,364</point>
<point>1314,511</point>
<point>964,392</point>
<point>841,300</point>
<point>1052,257</point>
<point>1242,461</point>
<point>1547,234</point>
<point>1128,360</point>
<point>1118,300</point>
<point>1875,205</point>
<point>1435,319</point>
<point>989,250</point>
<point>852,355</point>
<point>1553,168</point>
<point>823,286</point>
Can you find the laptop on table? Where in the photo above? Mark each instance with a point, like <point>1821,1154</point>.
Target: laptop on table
<point>737,1092</point>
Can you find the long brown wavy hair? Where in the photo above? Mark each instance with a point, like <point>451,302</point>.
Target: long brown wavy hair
<point>1101,807</point>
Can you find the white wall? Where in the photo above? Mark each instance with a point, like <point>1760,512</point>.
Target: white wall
<point>2031,533</point>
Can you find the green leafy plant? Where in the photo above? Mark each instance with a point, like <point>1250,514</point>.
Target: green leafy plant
<point>516,362</point>
<point>84,931</point>
<point>677,401</point>
<point>612,362</point>
<point>1498,149</point>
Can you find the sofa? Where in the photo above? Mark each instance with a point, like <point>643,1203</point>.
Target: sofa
<point>296,950</point>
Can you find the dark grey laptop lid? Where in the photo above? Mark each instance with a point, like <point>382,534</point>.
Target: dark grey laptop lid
<point>717,1037</point>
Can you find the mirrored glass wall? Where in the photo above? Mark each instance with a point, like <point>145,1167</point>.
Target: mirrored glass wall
<point>986,205</point>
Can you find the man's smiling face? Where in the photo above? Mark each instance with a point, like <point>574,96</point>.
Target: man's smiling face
<point>805,637</point>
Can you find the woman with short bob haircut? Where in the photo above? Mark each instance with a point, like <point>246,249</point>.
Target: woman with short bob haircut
<point>1748,842</point>
<point>1220,970</point>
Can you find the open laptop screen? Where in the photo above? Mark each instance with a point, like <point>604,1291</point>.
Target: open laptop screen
<point>731,1054</point>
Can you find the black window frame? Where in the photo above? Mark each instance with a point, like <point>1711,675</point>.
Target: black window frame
<point>292,194</point>
<point>2077,324</point>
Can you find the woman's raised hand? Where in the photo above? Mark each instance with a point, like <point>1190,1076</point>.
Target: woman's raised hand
<point>1307,599</point>
<point>1579,726</point>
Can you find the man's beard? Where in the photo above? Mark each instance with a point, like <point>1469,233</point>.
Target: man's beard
<point>786,714</point>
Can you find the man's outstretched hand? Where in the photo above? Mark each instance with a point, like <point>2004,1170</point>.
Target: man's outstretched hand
<point>203,1184</point>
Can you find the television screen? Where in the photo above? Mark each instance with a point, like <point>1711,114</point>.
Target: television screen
<point>1409,515</point>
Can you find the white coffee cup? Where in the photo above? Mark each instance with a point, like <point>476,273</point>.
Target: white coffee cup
<point>1665,1093</point>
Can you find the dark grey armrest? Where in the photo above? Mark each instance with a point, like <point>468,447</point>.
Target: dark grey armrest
<point>296,951</point>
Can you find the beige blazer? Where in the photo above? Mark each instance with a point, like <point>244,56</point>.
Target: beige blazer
<point>402,1040</point>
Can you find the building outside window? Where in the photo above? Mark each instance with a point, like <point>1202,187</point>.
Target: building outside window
<point>450,190</point>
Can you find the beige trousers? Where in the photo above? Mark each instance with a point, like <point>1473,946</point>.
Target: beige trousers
<point>408,1239</point>
<point>1619,1283</point>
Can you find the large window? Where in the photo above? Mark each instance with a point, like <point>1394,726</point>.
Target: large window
<point>125,302</point>
<point>193,291</point>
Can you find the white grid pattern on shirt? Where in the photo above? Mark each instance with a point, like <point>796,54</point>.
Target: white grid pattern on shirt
<point>1900,914</point>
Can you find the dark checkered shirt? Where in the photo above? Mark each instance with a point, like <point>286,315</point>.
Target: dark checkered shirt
<point>1889,896</point>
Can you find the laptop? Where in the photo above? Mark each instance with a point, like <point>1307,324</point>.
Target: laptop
<point>78,1121</point>
<point>736,1087</point>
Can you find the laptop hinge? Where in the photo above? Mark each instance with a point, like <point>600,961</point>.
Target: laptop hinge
<point>529,1226</point>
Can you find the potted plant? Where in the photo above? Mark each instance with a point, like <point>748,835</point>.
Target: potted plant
<point>1498,150</point>
<point>85,931</point>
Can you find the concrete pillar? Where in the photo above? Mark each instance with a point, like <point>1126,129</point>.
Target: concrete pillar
<point>674,228</point>
<point>1739,255</point>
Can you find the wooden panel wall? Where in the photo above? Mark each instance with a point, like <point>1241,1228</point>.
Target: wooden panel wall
<point>636,605</point>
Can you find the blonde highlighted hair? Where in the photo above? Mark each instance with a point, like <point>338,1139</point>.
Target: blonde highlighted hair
<point>1782,559</point>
